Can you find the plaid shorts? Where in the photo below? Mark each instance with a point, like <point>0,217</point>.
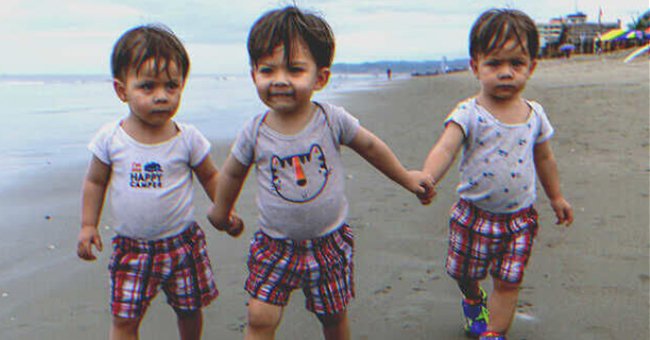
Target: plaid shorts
<point>322,267</point>
<point>479,239</point>
<point>179,264</point>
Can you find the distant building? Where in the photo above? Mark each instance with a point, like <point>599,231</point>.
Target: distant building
<point>576,18</point>
<point>550,33</point>
<point>572,29</point>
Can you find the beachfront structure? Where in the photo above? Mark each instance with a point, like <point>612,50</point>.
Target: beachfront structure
<point>549,33</point>
<point>574,29</point>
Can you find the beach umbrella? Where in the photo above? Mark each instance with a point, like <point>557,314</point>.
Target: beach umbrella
<point>567,47</point>
<point>613,34</point>
<point>632,34</point>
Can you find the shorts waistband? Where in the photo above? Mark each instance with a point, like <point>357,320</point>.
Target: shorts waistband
<point>310,243</point>
<point>165,244</point>
<point>492,216</point>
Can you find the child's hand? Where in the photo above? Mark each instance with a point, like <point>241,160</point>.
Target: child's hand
<point>424,187</point>
<point>213,219</point>
<point>88,236</point>
<point>233,226</point>
<point>563,211</point>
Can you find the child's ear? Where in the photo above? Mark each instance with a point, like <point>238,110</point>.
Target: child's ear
<point>322,77</point>
<point>253,73</point>
<point>533,65</point>
<point>120,89</point>
<point>473,64</point>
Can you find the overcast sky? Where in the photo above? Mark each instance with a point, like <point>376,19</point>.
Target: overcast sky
<point>76,36</point>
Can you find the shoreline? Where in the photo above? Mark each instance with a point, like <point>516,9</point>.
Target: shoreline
<point>601,143</point>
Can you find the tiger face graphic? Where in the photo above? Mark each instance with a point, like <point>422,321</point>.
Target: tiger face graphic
<point>300,178</point>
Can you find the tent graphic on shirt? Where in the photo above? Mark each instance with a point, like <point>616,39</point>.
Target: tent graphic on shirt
<point>300,178</point>
<point>152,167</point>
<point>147,177</point>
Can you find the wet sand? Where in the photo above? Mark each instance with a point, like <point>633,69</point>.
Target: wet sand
<point>590,281</point>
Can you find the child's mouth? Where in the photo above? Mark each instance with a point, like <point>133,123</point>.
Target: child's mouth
<point>281,94</point>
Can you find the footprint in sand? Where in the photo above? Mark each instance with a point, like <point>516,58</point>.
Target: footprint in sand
<point>524,311</point>
<point>384,290</point>
<point>236,327</point>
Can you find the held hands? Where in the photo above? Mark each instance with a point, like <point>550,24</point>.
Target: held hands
<point>234,226</point>
<point>423,186</point>
<point>563,211</point>
<point>88,236</point>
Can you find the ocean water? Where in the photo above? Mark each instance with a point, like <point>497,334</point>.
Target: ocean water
<point>47,121</point>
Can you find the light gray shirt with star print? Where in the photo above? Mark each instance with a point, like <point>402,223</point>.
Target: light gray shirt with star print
<point>497,169</point>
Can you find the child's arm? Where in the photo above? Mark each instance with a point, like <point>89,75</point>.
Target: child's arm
<point>94,190</point>
<point>443,154</point>
<point>377,153</point>
<point>549,177</point>
<point>231,179</point>
<point>207,174</point>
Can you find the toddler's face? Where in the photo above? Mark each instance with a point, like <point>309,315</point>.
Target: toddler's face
<point>288,87</point>
<point>153,97</point>
<point>503,73</point>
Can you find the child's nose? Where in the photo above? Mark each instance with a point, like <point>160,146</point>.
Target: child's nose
<point>505,72</point>
<point>160,96</point>
<point>280,79</point>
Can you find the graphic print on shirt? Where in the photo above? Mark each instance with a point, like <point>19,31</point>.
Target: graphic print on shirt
<point>147,177</point>
<point>300,178</point>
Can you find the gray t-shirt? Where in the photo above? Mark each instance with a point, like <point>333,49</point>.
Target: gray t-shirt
<point>151,184</point>
<point>497,170</point>
<point>300,178</point>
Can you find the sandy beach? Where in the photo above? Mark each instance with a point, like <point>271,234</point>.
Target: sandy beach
<point>590,281</point>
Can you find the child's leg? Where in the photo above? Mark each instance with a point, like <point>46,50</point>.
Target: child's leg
<point>132,287</point>
<point>331,282</point>
<point>501,305</point>
<point>468,253</point>
<point>263,320</point>
<point>190,324</point>
<point>189,285</point>
<point>508,273</point>
<point>124,329</point>
<point>335,327</point>
<point>469,288</point>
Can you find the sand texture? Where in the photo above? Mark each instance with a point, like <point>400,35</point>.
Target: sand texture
<point>586,282</point>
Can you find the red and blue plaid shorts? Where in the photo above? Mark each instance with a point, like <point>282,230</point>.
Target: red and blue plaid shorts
<point>179,264</point>
<point>479,240</point>
<point>322,267</point>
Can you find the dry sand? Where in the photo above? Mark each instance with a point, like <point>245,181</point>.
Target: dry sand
<point>586,282</point>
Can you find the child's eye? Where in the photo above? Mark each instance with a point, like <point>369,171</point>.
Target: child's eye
<point>146,86</point>
<point>264,70</point>
<point>295,69</point>
<point>172,85</point>
<point>517,62</point>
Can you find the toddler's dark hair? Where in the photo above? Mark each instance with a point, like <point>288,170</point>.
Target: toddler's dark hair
<point>495,27</point>
<point>152,41</point>
<point>286,27</point>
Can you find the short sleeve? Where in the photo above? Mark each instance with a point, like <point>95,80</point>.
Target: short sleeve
<point>462,115</point>
<point>100,144</point>
<point>199,145</point>
<point>243,147</point>
<point>546,130</point>
<point>344,124</point>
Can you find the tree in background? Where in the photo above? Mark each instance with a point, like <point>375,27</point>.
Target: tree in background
<point>642,23</point>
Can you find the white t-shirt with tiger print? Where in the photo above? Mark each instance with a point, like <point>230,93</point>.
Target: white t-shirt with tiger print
<point>300,178</point>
